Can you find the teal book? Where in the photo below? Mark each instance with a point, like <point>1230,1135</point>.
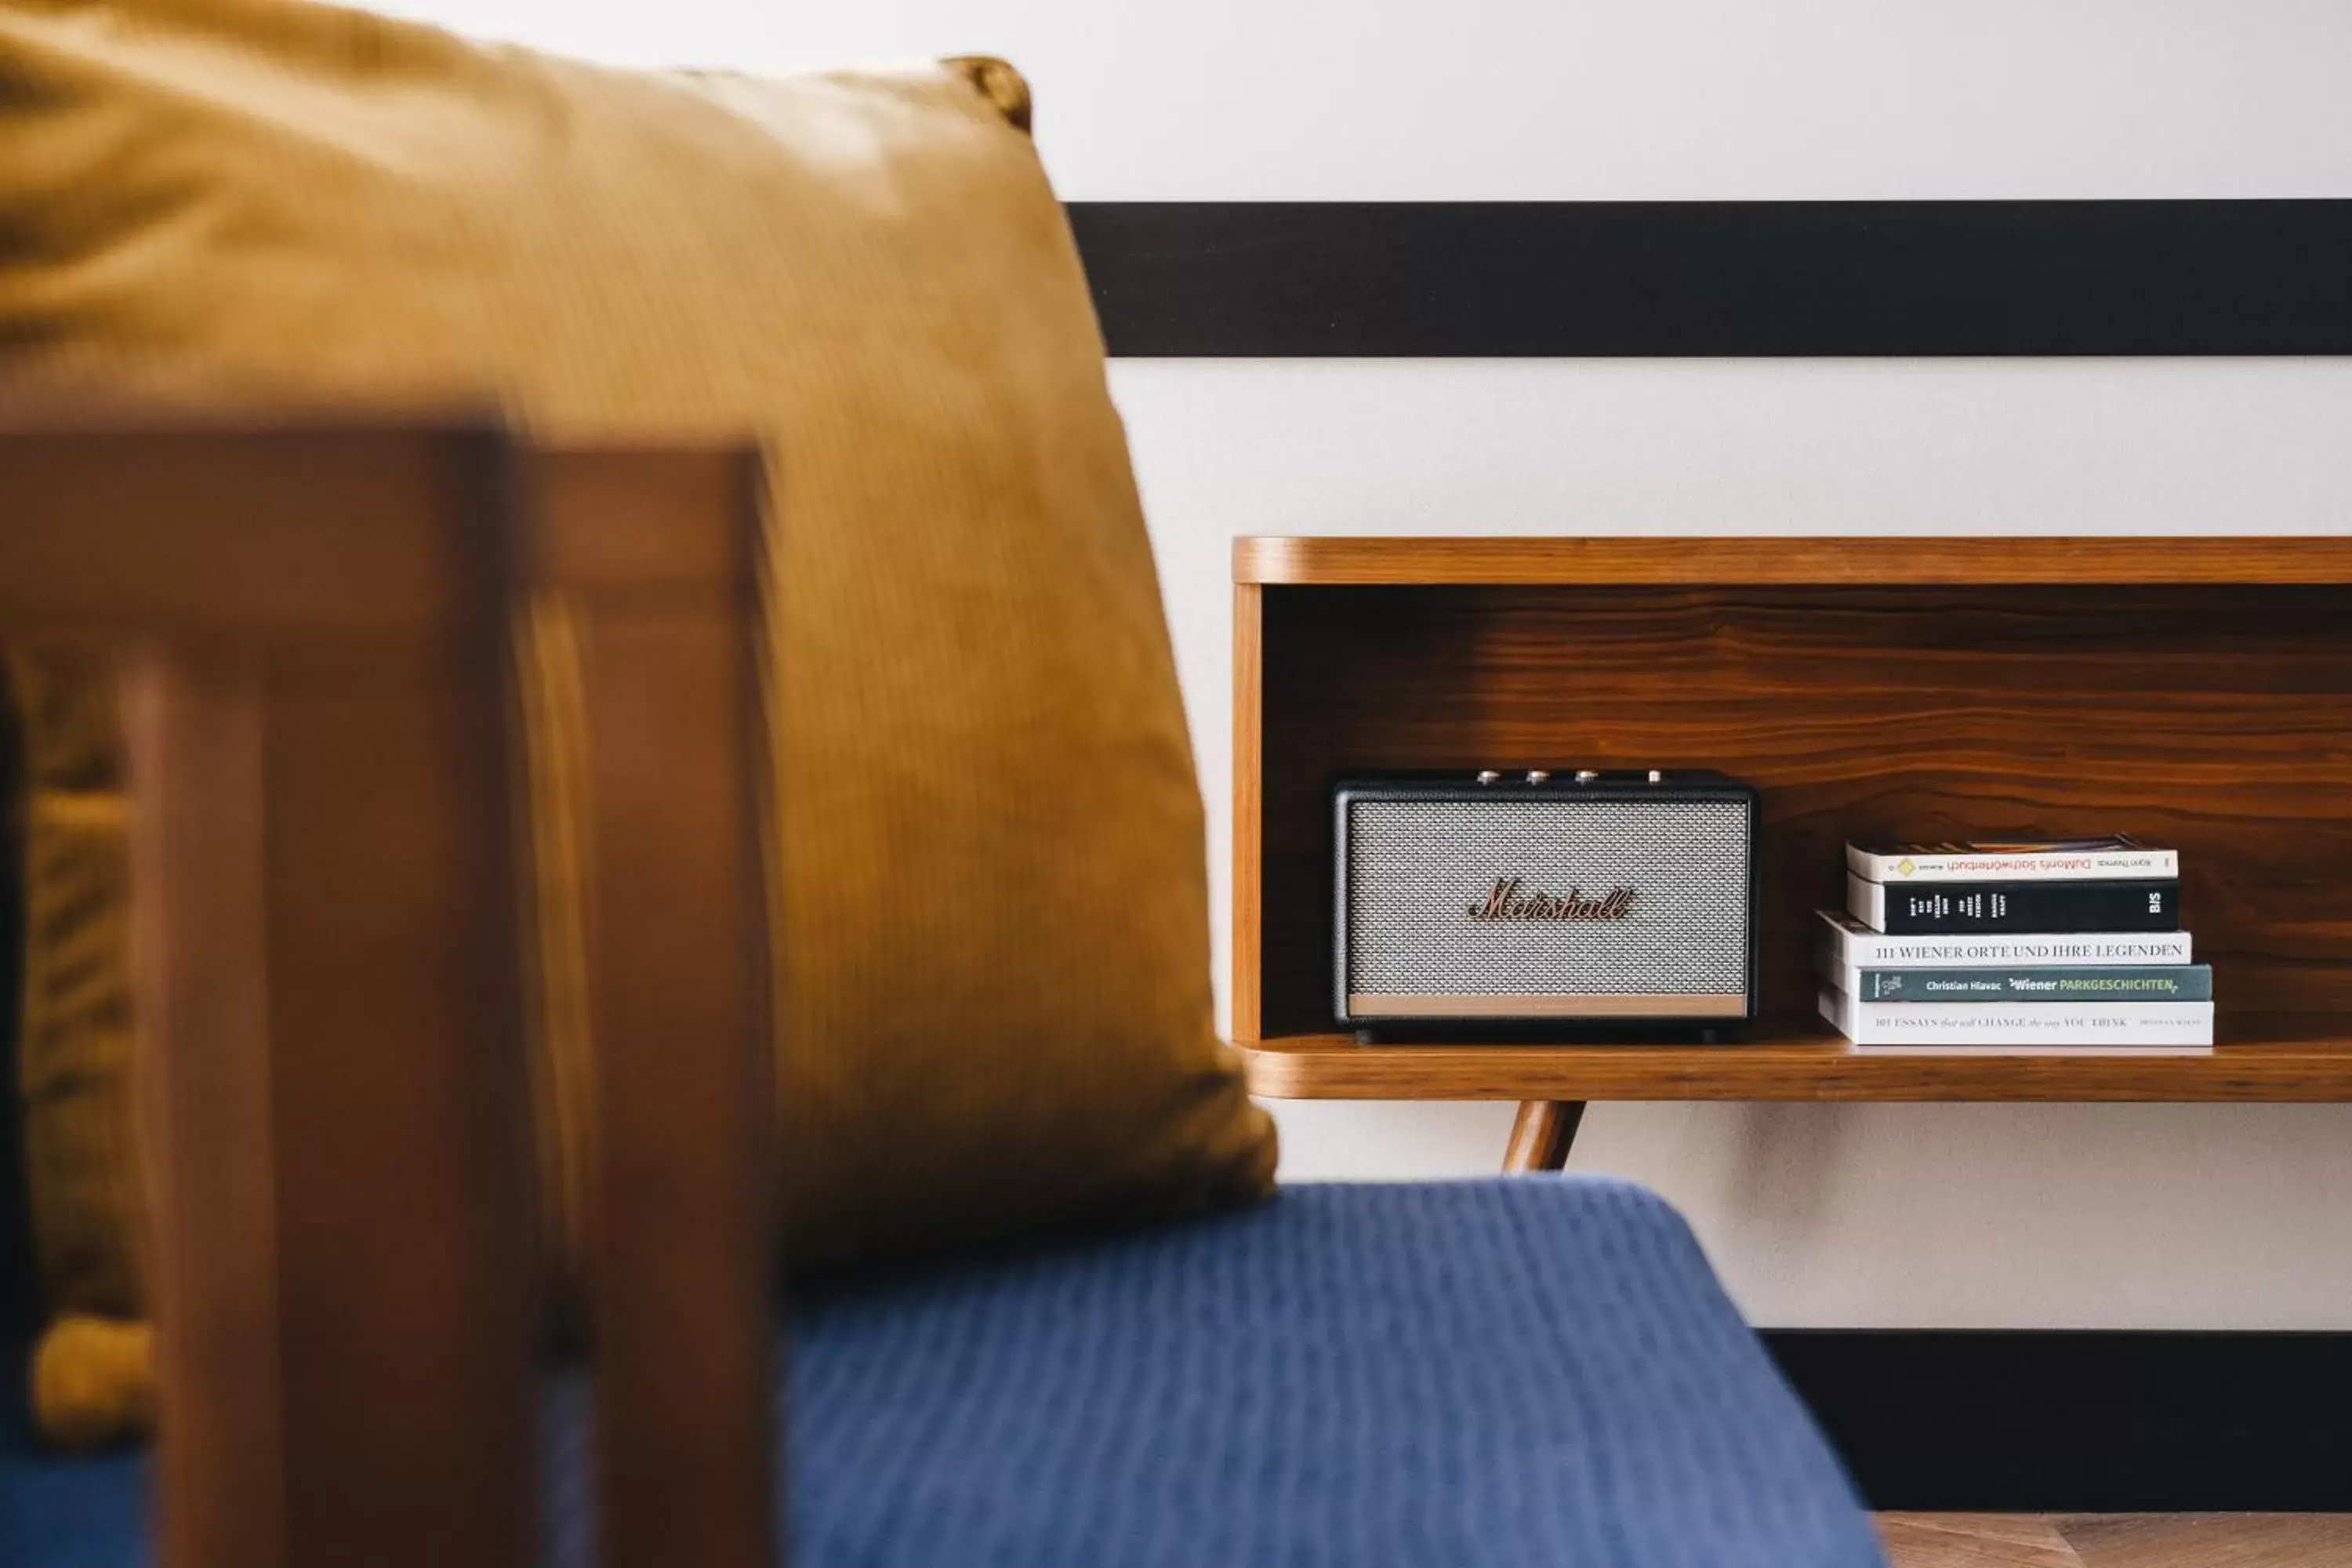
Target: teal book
<point>2136,982</point>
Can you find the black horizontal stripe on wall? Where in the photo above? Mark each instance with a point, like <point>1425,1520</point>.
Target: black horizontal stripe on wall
<point>2083,1422</point>
<point>1704,278</point>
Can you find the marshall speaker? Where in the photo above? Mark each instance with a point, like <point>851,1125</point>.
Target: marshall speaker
<point>1545,900</point>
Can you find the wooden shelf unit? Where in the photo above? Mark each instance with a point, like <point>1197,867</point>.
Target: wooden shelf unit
<point>2194,690</point>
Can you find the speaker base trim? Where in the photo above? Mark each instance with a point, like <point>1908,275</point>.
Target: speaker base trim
<point>1375,1006</point>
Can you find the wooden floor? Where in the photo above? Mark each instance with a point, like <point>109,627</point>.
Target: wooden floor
<point>2117,1540</point>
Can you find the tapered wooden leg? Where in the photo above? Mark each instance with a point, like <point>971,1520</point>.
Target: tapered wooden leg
<point>1542,1135</point>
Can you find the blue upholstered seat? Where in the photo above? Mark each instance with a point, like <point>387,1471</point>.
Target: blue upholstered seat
<point>62,1513</point>
<point>1536,1370</point>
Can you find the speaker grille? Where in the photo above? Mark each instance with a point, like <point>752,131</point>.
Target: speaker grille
<point>1415,868</point>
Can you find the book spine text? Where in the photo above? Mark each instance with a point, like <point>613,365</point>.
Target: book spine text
<point>1846,946</point>
<point>2145,982</point>
<point>2024,1026</point>
<point>2103,864</point>
<point>1952,907</point>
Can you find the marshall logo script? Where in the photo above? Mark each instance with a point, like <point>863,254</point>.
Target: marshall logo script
<point>1510,899</point>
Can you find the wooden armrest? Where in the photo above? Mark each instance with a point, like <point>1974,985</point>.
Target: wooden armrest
<point>324,756</point>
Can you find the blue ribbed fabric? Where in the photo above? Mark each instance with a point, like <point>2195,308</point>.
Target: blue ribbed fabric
<point>61,1512</point>
<point>1537,1372</point>
<point>1527,1371</point>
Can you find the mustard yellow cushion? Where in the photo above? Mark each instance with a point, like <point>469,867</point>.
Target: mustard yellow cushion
<point>93,1380</point>
<point>993,973</point>
<point>73,1031</point>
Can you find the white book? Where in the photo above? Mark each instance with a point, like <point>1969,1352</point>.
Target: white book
<point>2023,1028</point>
<point>1843,942</point>
<point>2115,858</point>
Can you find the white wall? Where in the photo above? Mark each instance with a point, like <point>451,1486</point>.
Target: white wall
<point>1553,100</point>
<point>2056,1215</point>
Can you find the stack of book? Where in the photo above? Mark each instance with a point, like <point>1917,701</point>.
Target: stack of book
<point>2056,947</point>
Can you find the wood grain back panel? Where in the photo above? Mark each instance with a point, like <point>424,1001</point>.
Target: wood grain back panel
<point>2215,717</point>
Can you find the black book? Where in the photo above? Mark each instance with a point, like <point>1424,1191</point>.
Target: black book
<point>1943,909</point>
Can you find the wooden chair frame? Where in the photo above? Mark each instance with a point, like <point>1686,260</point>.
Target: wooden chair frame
<point>316,620</point>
